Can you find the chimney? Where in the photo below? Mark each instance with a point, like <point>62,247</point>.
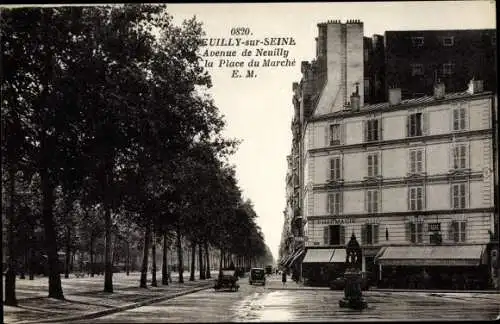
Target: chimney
<point>355,99</point>
<point>475,86</point>
<point>439,90</point>
<point>394,96</point>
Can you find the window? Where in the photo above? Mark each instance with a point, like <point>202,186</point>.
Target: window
<point>415,198</point>
<point>334,235</point>
<point>372,197</point>
<point>417,41</point>
<point>373,165</point>
<point>417,69</point>
<point>367,87</point>
<point>335,169</point>
<point>459,156</point>
<point>372,130</point>
<point>334,134</point>
<point>458,196</point>
<point>416,161</point>
<point>448,41</point>
<point>369,234</point>
<point>334,203</point>
<point>415,232</point>
<point>448,68</point>
<point>457,231</point>
<point>459,119</point>
<point>434,230</point>
<point>415,125</point>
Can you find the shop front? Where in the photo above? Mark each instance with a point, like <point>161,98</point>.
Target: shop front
<point>322,265</point>
<point>439,267</point>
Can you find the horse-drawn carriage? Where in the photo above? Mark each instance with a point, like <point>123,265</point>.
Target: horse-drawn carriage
<point>227,279</point>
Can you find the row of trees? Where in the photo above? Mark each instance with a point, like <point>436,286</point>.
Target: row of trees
<point>108,136</point>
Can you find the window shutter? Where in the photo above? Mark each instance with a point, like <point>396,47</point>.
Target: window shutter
<point>455,232</point>
<point>328,199</point>
<point>408,126</point>
<point>342,202</point>
<point>342,235</point>
<point>455,119</point>
<point>451,196</point>
<point>332,169</point>
<point>408,231</point>
<point>366,200</point>
<point>365,131</point>
<point>451,155</point>
<point>420,232</point>
<point>425,123</point>
<point>363,234</point>
<point>326,235</point>
<point>342,133</point>
<point>463,227</point>
<point>327,135</point>
<point>466,118</point>
<point>408,162</point>
<point>408,198</point>
<point>450,231</point>
<point>337,168</point>
<point>375,234</point>
<point>380,129</point>
<point>420,161</point>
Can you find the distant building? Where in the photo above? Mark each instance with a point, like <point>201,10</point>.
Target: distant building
<point>411,178</point>
<point>415,60</point>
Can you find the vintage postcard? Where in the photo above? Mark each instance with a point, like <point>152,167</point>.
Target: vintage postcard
<point>260,162</point>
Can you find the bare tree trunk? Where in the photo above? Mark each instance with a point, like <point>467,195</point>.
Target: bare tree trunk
<point>55,288</point>
<point>10,276</point>
<point>127,265</point>
<point>207,256</point>
<point>92,255</point>
<point>193,259</point>
<point>180,260</point>
<point>154,283</point>
<point>200,261</point>
<point>144,269</point>
<point>164,265</point>
<point>108,267</point>
<point>68,251</point>
<point>221,261</point>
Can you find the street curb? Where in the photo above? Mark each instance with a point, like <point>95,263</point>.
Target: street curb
<point>119,308</point>
<point>437,291</point>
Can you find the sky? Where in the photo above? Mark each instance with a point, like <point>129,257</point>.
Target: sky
<point>259,110</point>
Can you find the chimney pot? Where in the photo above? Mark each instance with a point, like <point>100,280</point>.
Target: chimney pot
<point>439,90</point>
<point>394,96</point>
<point>475,86</point>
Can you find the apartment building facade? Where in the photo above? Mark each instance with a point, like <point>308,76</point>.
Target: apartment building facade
<point>414,59</point>
<point>412,179</point>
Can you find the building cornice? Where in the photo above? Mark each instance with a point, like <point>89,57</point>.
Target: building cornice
<point>405,213</point>
<point>384,107</point>
<point>459,175</point>
<point>426,139</point>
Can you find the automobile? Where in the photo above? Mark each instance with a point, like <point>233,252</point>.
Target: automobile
<point>339,282</point>
<point>257,275</point>
<point>226,280</point>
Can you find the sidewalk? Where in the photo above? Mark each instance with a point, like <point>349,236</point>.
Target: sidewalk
<point>84,298</point>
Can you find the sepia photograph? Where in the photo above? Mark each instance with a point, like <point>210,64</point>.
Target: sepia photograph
<point>249,162</point>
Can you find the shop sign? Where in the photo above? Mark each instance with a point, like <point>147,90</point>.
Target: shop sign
<point>336,221</point>
<point>430,262</point>
<point>434,227</point>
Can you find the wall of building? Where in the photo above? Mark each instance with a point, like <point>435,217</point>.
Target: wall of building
<point>394,168</point>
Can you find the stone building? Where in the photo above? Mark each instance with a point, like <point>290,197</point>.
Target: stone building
<point>411,178</point>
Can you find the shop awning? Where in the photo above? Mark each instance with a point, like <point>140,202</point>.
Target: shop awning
<point>285,260</point>
<point>296,256</point>
<point>339,255</point>
<point>324,256</point>
<point>432,255</point>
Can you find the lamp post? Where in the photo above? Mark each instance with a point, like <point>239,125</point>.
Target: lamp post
<point>353,297</point>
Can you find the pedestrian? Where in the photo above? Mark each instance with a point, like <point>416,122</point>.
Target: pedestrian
<point>283,278</point>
